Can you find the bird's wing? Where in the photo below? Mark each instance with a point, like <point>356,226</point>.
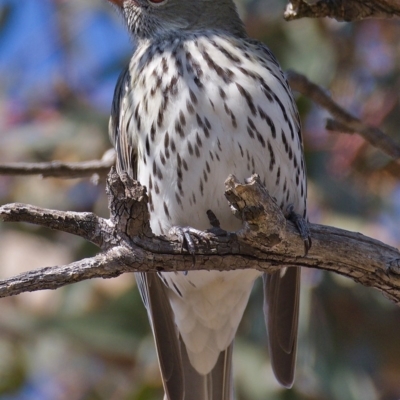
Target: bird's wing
<point>282,288</point>
<point>118,127</point>
<point>281,311</point>
<point>152,290</point>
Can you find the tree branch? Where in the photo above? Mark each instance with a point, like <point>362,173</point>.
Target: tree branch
<point>267,242</point>
<point>57,169</point>
<point>344,121</point>
<point>342,10</point>
<point>84,224</point>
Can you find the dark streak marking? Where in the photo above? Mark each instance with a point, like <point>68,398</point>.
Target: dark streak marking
<point>178,199</point>
<point>173,147</point>
<point>192,96</point>
<point>199,121</point>
<point>278,176</point>
<point>166,210</point>
<point>166,140</point>
<point>179,129</point>
<point>162,158</point>
<point>198,140</point>
<point>147,145</point>
<point>182,118</point>
<point>176,288</point>
<point>189,107</point>
<point>241,149</point>
<point>248,98</point>
<point>190,148</point>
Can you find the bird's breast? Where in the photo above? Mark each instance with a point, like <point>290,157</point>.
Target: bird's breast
<point>205,108</point>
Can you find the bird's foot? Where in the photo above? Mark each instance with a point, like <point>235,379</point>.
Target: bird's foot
<point>185,234</point>
<point>302,227</point>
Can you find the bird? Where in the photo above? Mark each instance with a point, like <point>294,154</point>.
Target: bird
<point>198,101</point>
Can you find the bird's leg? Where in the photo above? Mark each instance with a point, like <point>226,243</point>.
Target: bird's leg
<point>302,227</point>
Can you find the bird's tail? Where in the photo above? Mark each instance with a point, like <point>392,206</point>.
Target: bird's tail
<point>281,309</point>
<point>181,381</point>
<point>216,385</point>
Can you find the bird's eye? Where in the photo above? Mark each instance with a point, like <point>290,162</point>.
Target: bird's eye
<point>157,2</point>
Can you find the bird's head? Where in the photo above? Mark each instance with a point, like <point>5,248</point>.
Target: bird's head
<point>148,19</point>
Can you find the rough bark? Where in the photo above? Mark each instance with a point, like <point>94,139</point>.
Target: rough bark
<point>342,10</point>
<point>266,242</point>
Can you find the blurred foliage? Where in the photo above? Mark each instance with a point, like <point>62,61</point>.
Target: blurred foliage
<point>59,61</point>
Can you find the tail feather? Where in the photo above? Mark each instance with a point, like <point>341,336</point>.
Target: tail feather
<point>217,385</point>
<point>181,381</point>
<point>281,310</point>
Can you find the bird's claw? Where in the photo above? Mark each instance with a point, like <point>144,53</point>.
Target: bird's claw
<point>185,236</point>
<point>302,227</point>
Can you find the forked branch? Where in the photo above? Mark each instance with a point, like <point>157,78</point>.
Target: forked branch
<point>344,121</point>
<point>267,242</point>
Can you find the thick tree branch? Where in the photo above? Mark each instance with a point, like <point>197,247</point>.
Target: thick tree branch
<point>342,10</point>
<point>267,242</point>
<point>344,121</point>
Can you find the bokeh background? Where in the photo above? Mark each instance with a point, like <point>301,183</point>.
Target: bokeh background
<point>59,61</point>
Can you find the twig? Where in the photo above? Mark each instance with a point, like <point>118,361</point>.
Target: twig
<point>57,169</point>
<point>83,224</point>
<point>103,265</point>
<point>343,120</point>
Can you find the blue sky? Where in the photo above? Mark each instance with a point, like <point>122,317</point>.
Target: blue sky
<point>33,58</point>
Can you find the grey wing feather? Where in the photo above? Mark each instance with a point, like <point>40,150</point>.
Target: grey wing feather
<point>121,115</point>
<point>281,310</point>
<point>161,318</point>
